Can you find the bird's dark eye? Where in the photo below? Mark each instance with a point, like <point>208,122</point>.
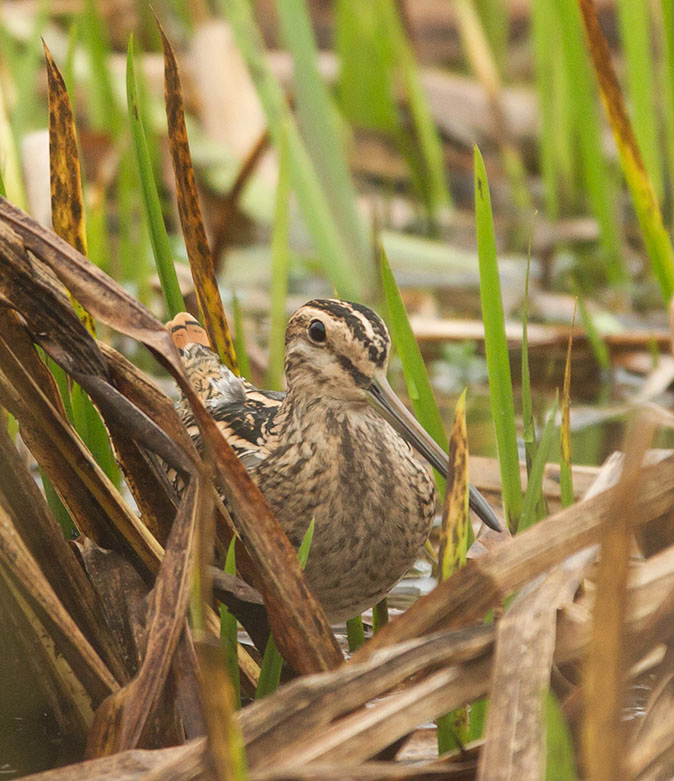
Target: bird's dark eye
<point>317,331</point>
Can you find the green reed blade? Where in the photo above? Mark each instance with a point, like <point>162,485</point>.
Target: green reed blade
<point>377,63</point>
<point>435,189</point>
<point>496,346</point>
<point>58,509</point>
<point>229,631</point>
<point>598,181</point>
<point>418,385</point>
<point>379,615</point>
<point>365,87</point>
<point>339,264</point>
<point>355,634</point>
<point>560,764</point>
<point>91,428</point>
<point>240,339</point>
<point>597,344</point>
<point>279,271</point>
<point>104,111</point>
<point>533,498</point>
<point>160,244</point>
<point>637,43</point>
<point>565,469</point>
<point>528,426</point>
<point>319,123</point>
<point>272,662</point>
<point>557,152</point>
<point>667,82</point>
<point>655,236</point>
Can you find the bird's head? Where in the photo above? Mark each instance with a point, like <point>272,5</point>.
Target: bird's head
<point>335,349</point>
<point>339,350</point>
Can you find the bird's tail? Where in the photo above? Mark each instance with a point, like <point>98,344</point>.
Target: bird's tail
<point>185,329</point>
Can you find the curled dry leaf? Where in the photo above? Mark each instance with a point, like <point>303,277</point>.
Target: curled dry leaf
<point>300,626</point>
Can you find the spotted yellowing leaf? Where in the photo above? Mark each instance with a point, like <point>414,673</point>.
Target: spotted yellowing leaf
<point>656,238</point>
<point>191,220</point>
<point>455,514</point>
<point>67,203</point>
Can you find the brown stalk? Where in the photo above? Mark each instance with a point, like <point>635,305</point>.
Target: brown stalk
<point>304,709</point>
<point>121,719</point>
<point>604,728</point>
<point>44,540</point>
<point>225,744</point>
<point>363,734</point>
<point>515,735</point>
<point>94,503</point>
<point>23,572</point>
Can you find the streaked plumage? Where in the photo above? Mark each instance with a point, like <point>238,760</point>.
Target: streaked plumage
<point>322,451</point>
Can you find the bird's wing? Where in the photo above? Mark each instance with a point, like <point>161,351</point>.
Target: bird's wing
<point>245,426</point>
<point>243,412</point>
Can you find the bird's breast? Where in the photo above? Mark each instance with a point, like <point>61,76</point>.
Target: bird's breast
<point>371,500</point>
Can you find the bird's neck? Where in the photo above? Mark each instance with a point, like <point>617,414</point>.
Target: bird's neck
<point>310,416</point>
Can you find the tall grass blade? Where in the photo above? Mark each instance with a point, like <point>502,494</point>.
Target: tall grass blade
<point>532,505</point>
<point>456,534</point>
<point>598,179</point>
<point>240,338</point>
<point>67,206</point>
<point>528,423</point>
<point>279,271</point>
<point>379,615</point>
<point>597,344</point>
<point>272,662</point>
<point>435,180</point>
<point>104,111</point>
<point>133,248</point>
<point>378,65</point>
<point>160,244</point>
<point>556,141</point>
<point>637,44</point>
<point>560,762</point>
<point>528,426</point>
<point>319,123</point>
<point>418,384</point>
<point>339,264</point>
<point>565,470</point>
<point>495,18</point>
<point>667,81</point>
<point>228,631</point>
<point>59,510</point>
<point>366,84</point>
<point>355,634</point>
<point>481,60</point>
<point>496,345</point>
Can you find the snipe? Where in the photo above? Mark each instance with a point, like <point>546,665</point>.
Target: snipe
<point>335,448</point>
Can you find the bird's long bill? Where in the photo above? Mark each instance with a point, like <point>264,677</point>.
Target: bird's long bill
<point>389,406</point>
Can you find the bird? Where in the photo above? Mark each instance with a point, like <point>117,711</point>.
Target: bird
<point>337,447</point>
